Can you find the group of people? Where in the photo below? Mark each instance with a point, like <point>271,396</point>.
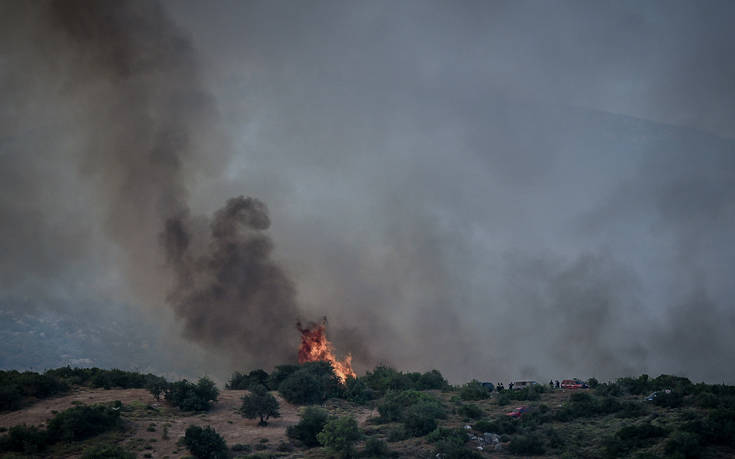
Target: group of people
<point>500,388</point>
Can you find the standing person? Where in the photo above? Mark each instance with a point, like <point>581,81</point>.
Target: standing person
<point>557,383</point>
<point>551,385</point>
<point>510,386</point>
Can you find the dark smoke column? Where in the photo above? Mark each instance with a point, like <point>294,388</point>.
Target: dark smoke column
<point>233,295</point>
<point>148,125</point>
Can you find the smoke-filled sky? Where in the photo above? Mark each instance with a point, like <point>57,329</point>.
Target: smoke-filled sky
<point>499,190</point>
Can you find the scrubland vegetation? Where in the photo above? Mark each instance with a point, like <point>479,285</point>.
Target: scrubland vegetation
<point>412,415</point>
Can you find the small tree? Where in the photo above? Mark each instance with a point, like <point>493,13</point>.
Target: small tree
<point>312,422</point>
<point>260,404</point>
<point>340,434</point>
<point>205,443</point>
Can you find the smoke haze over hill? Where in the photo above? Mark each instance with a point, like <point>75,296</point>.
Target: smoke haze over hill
<point>493,189</point>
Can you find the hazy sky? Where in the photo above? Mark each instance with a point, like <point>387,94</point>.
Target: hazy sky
<point>499,190</point>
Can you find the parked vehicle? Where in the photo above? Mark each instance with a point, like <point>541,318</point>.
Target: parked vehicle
<point>518,412</point>
<point>574,384</point>
<point>518,385</point>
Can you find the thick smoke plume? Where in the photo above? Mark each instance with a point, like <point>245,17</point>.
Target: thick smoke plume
<point>149,128</point>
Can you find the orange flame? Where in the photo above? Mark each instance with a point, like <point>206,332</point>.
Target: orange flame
<point>316,347</point>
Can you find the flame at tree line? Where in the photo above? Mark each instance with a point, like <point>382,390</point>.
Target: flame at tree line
<point>316,347</point>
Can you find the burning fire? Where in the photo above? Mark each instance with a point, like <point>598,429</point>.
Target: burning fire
<point>316,347</point>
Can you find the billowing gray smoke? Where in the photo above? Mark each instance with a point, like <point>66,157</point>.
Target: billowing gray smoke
<point>231,293</point>
<point>145,128</point>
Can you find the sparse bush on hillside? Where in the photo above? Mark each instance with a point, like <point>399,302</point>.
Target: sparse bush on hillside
<point>384,378</point>
<point>15,385</point>
<point>474,390</point>
<point>205,443</point>
<point>420,418</point>
<point>632,437</point>
<point>312,383</point>
<point>192,397</point>
<point>107,379</point>
<point>470,411</point>
<point>279,374</point>
<point>259,403</point>
<point>684,445</point>
<point>81,422</point>
<point>527,445</point>
<point>246,381</point>
<point>527,393</point>
<point>356,391</point>
<point>501,425</point>
<point>377,448</point>
<point>672,399</point>
<point>313,420</point>
<point>450,443</point>
<point>107,452</point>
<point>24,439</point>
<point>340,435</point>
<point>395,403</point>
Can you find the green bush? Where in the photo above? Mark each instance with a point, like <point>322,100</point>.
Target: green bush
<point>375,447</point>
<point>706,400</point>
<point>193,397</point>
<point>632,437</point>
<point>470,411</point>
<point>450,444</point>
<point>420,418</point>
<point>340,435</point>
<point>397,434</point>
<point>672,399</point>
<point>313,382</point>
<point>501,425</point>
<point>432,380</point>
<point>383,379</point>
<point>81,422</point>
<point>10,397</point>
<point>356,391</point>
<point>107,452</point>
<point>313,420</point>
<point>260,403</point>
<point>205,443</point>
<point>684,444</point>
<point>24,439</point>
<point>279,374</point>
<point>474,390</point>
<point>395,403</point>
<point>527,445</point>
<point>246,381</point>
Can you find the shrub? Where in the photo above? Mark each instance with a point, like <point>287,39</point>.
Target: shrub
<point>529,445</point>
<point>501,425</point>
<point>312,383</point>
<point>81,422</point>
<point>706,400</point>
<point>375,447</point>
<point>432,380</point>
<point>193,397</point>
<point>503,399</point>
<point>450,444</point>
<point>107,452</point>
<point>672,399</point>
<point>632,410</point>
<point>384,378</point>
<point>474,390</point>
<point>252,379</point>
<point>10,397</point>
<point>632,437</point>
<point>340,435</point>
<point>279,374</point>
<point>593,383</point>
<point>260,404</point>
<point>470,411</point>
<point>683,444</point>
<point>205,443</point>
<point>242,448</point>
<point>356,391</point>
<point>313,420</point>
<point>24,439</point>
<point>397,434</point>
<point>420,418</point>
<point>395,403</point>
